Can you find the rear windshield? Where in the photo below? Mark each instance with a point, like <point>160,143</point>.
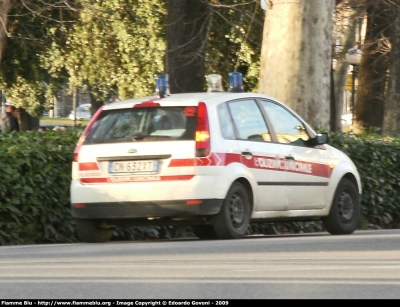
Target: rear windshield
<point>143,124</point>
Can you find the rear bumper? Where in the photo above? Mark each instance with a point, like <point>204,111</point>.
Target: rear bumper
<point>145,209</point>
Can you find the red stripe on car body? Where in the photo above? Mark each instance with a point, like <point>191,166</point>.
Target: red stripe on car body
<point>181,162</point>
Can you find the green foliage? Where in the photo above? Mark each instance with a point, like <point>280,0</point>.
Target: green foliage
<point>114,48</point>
<point>28,95</point>
<point>234,40</point>
<point>26,83</point>
<point>35,174</point>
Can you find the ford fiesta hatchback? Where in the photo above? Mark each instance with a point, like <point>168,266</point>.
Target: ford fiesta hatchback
<point>214,161</point>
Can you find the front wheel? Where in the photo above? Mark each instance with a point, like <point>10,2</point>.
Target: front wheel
<point>233,219</point>
<point>91,232</point>
<point>345,211</point>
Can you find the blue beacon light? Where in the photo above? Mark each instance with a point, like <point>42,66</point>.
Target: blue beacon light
<point>235,82</point>
<point>162,86</point>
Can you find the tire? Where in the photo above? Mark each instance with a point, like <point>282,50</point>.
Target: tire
<point>345,210</point>
<point>90,232</point>
<point>233,219</point>
<point>204,232</point>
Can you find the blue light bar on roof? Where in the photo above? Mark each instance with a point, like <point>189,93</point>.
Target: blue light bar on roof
<point>162,86</point>
<point>235,82</point>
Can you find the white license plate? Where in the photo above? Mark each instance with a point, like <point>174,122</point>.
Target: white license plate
<point>139,166</point>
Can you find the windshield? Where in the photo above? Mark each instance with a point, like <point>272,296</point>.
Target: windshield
<point>143,124</point>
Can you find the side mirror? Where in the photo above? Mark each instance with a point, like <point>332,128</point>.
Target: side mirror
<point>321,138</point>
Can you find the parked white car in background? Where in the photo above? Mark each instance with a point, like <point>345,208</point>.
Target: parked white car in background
<point>214,161</point>
<point>82,112</point>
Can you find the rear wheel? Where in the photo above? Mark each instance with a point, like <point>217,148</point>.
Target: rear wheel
<point>234,217</point>
<point>345,211</point>
<point>90,231</point>
<point>204,232</point>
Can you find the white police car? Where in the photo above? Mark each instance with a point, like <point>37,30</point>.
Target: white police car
<point>214,160</point>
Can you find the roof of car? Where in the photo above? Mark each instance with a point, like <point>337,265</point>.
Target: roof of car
<point>184,99</point>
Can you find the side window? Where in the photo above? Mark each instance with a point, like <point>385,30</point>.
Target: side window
<point>249,121</point>
<point>225,122</point>
<point>289,129</point>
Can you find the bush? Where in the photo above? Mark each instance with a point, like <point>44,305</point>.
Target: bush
<point>35,175</point>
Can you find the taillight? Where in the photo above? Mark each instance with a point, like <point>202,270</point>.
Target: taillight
<point>202,132</point>
<point>85,133</point>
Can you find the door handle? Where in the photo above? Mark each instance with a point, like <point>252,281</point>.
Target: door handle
<point>246,153</point>
<point>289,157</point>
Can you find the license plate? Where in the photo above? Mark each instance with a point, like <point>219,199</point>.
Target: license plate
<point>139,166</point>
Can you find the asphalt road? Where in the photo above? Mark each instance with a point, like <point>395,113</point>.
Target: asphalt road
<point>365,265</point>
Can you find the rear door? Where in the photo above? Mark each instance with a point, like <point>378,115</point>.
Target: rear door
<point>262,157</point>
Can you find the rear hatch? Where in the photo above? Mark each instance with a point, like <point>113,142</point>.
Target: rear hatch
<point>148,142</point>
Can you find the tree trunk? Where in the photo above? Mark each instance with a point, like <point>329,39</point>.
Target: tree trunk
<point>391,121</point>
<point>186,40</point>
<point>4,8</point>
<point>368,111</point>
<point>296,57</point>
<point>349,18</point>
<point>27,121</point>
